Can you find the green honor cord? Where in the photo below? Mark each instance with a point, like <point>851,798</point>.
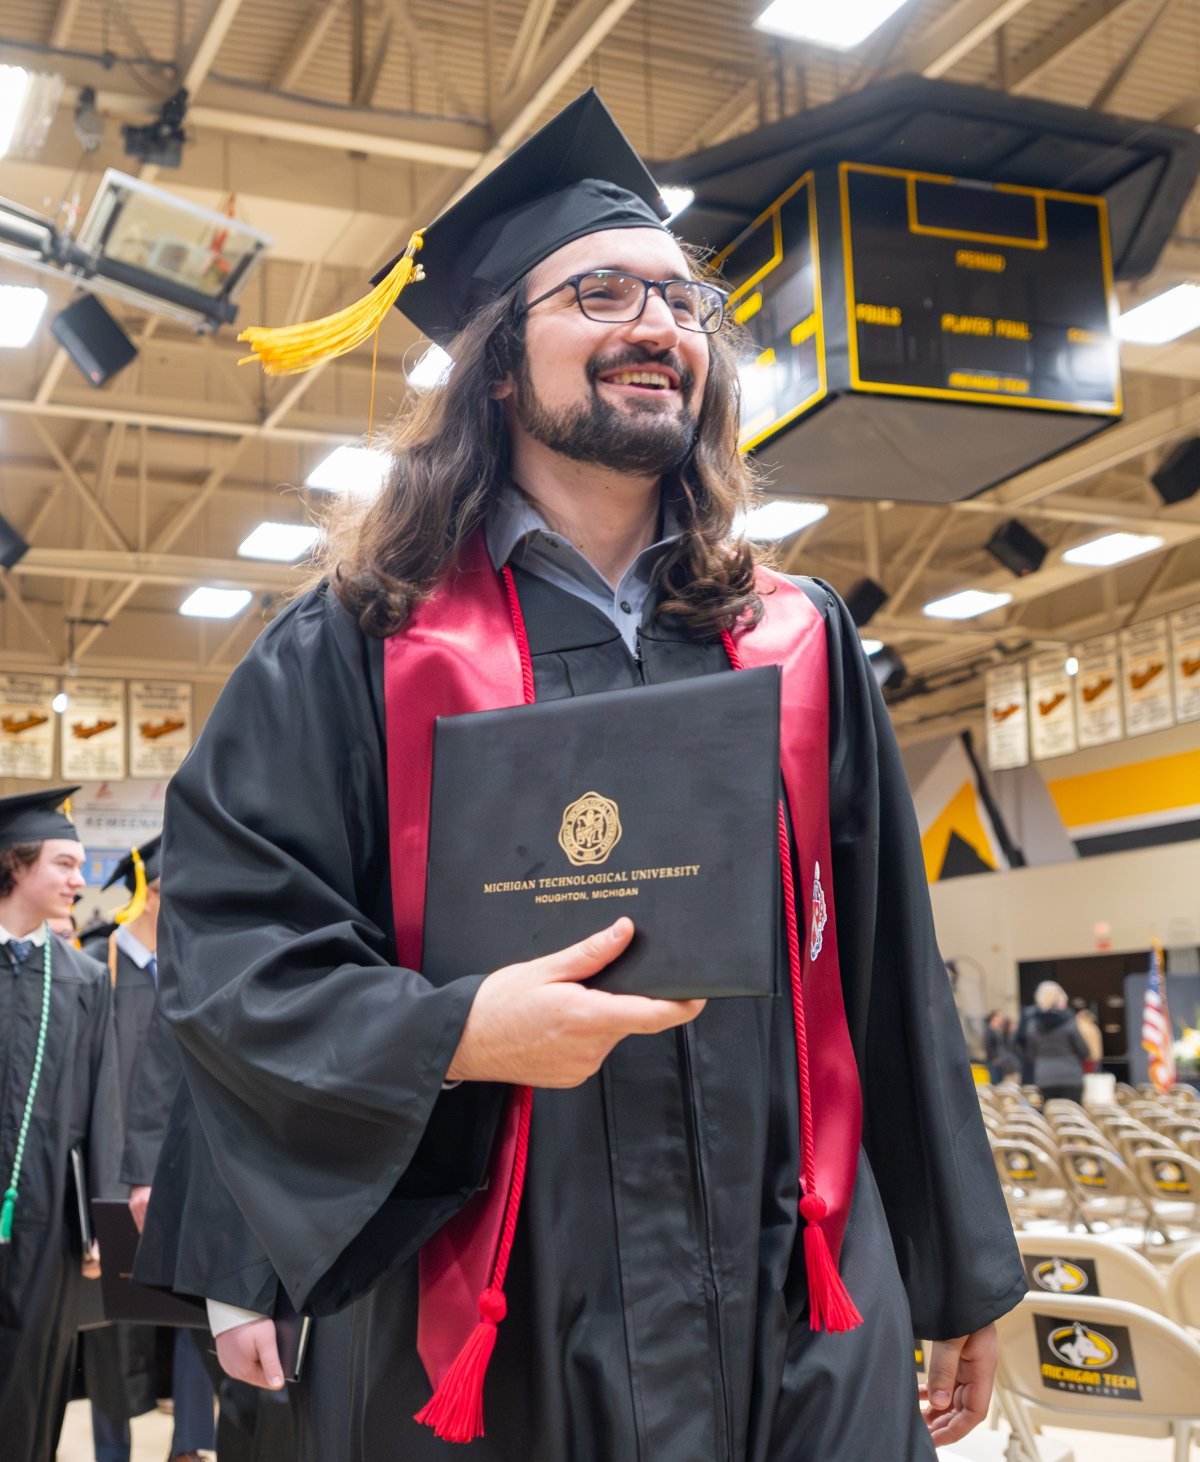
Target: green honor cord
<point>14,1182</point>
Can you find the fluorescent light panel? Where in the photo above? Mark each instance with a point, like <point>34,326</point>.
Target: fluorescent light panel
<point>677,199</point>
<point>1165,317</point>
<point>431,370</point>
<point>777,520</point>
<point>1112,549</point>
<point>280,542</point>
<point>21,309</point>
<point>966,604</point>
<point>840,26</point>
<point>14,88</point>
<point>209,603</point>
<point>872,647</point>
<point>350,469</point>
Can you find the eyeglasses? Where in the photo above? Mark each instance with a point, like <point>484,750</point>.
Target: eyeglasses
<point>615,298</point>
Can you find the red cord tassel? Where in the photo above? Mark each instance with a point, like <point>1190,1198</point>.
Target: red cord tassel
<point>455,1410</point>
<point>829,1304</point>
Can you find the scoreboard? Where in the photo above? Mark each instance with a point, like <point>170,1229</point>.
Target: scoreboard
<point>890,282</point>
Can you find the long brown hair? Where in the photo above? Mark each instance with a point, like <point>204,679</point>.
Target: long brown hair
<point>450,456</point>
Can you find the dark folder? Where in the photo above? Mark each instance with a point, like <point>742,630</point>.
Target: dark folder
<point>124,1298</point>
<point>549,821</point>
<point>82,1200</point>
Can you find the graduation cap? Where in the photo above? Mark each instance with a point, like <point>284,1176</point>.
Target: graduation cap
<point>137,870</point>
<point>576,176</point>
<point>32,817</point>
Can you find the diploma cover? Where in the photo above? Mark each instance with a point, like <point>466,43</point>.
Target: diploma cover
<point>549,821</point>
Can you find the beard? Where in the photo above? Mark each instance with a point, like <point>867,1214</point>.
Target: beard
<point>641,438</point>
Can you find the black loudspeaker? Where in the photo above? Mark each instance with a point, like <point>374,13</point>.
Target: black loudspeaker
<point>863,599</point>
<point>13,547</point>
<point>1178,476</point>
<point>1017,548</point>
<point>888,668</point>
<point>93,339</point>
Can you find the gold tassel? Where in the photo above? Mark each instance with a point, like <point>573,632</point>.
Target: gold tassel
<point>286,350</point>
<point>137,904</point>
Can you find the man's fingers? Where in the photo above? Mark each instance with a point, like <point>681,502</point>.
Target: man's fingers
<point>588,957</point>
<point>268,1358</point>
<point>943,1371</point>
<point>639,1015</point>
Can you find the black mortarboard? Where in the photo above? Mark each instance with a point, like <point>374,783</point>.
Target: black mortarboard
<point>576,176</point>
<point>125,872</point>
<point>32,817</point>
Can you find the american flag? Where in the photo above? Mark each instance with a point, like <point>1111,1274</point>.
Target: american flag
<point>1156,1025</point>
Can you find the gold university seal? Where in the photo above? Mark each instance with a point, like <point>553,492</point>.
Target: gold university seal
<point>591,829</point>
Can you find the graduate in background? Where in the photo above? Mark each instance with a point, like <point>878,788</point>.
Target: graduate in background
<point>119,1361</point>
<point>712,1256</point>
<point>59,1092</point>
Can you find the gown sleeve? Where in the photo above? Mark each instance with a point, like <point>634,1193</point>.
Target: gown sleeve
<point>315,1063</point>
<point>922,1128</point>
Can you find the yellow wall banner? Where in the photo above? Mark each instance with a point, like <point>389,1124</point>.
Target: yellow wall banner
<point>1007,717</point>
<point>1051,706</point>
<point>93,731</point>
<point>1146,678</point>
<point>1097,691</point>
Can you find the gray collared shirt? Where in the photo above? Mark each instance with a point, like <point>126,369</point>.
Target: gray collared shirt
<point>518,534</point>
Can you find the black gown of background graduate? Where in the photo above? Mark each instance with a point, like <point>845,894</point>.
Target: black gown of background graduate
<point>77,1105</point>
<point>657,1303</point>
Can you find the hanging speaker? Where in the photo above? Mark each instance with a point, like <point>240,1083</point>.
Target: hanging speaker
<point>1017,548</point>
<point>13,547</point>
<point>864,599</point>
<point>93,339</point>
<point>1178,476</point>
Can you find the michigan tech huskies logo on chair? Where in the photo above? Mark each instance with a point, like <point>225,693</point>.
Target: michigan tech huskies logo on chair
<point>1060,1276</point>
<point>1080,1346</point>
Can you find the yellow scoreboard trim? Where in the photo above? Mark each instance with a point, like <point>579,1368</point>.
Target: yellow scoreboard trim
<point>741,297</point>
<point>938,393</point>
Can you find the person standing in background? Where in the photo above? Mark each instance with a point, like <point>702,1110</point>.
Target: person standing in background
<point>1056,1048</point>
<point>58,1093</point>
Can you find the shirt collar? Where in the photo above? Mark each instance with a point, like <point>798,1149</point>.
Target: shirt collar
<point>36,937</point>
<point>128,943</point>
<point>513,520</point>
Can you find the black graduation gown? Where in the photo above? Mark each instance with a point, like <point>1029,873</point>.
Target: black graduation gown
<point>656,1294</point>
<point>77,1104</point>
<point>120,1363</point>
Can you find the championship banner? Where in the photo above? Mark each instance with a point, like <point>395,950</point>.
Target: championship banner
<point>93,733</point>
<point>160,726</point>
<point>1007,718</point>
<point>1051,706</point>
<point>1097,694</point>
<point>1145,681</point>
<point>27,726</point>
<point>1185,663</point>
<point>1095,1360</point>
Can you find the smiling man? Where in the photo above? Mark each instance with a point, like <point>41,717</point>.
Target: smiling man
<point>59,1091</point>
<point>732,1217</point>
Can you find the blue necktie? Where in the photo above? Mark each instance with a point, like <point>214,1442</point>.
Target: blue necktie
<point>152,966</point>
<point>18,950</point>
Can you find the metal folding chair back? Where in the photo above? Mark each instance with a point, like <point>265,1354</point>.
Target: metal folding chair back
<point>1183,1291</point>
<point>1086,1264</point>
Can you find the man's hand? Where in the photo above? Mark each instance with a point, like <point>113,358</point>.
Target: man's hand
<point>535,1024</point>
<point>138,1199</point>
<point>958,1388</point>
<point>91,1263</point>
<point>249,1353</point>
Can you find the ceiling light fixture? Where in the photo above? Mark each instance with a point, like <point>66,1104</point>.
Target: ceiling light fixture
<point>777,520</point>
<point>431,370</point>
<point>839,26</point>
<point>279,542</point>
<point>677,198</point>
<point>210,603</point>
<point>1071,665</point>
<point>966,604</point>
<point>60,703</point>
<point>28,102</point>
<point>1167,316</point>
<point>21,310</point>
<point>872,647</point>
<point>1112,548</point>
<point>350,469</point>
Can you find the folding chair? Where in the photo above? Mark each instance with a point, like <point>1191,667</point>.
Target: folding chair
<point>1170,1182</point>
<point>1032,1181</point>
<point>1102,1186</point>
<point>1097,1364</point>
<point>1183,1290</point>
<point>1087,1264</point>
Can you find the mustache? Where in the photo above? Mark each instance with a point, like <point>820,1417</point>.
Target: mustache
<point>636,356</point>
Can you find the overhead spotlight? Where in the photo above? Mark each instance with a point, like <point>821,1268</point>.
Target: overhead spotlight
<point>89,125</point>
<point>864,599</point>
<point>1017,548</point>
<point>677,198</point>
<point>93,339</point>
<point>1178,476</point>
<point>159,143</point>
<point>888,668</point>
<point>13,547</point>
